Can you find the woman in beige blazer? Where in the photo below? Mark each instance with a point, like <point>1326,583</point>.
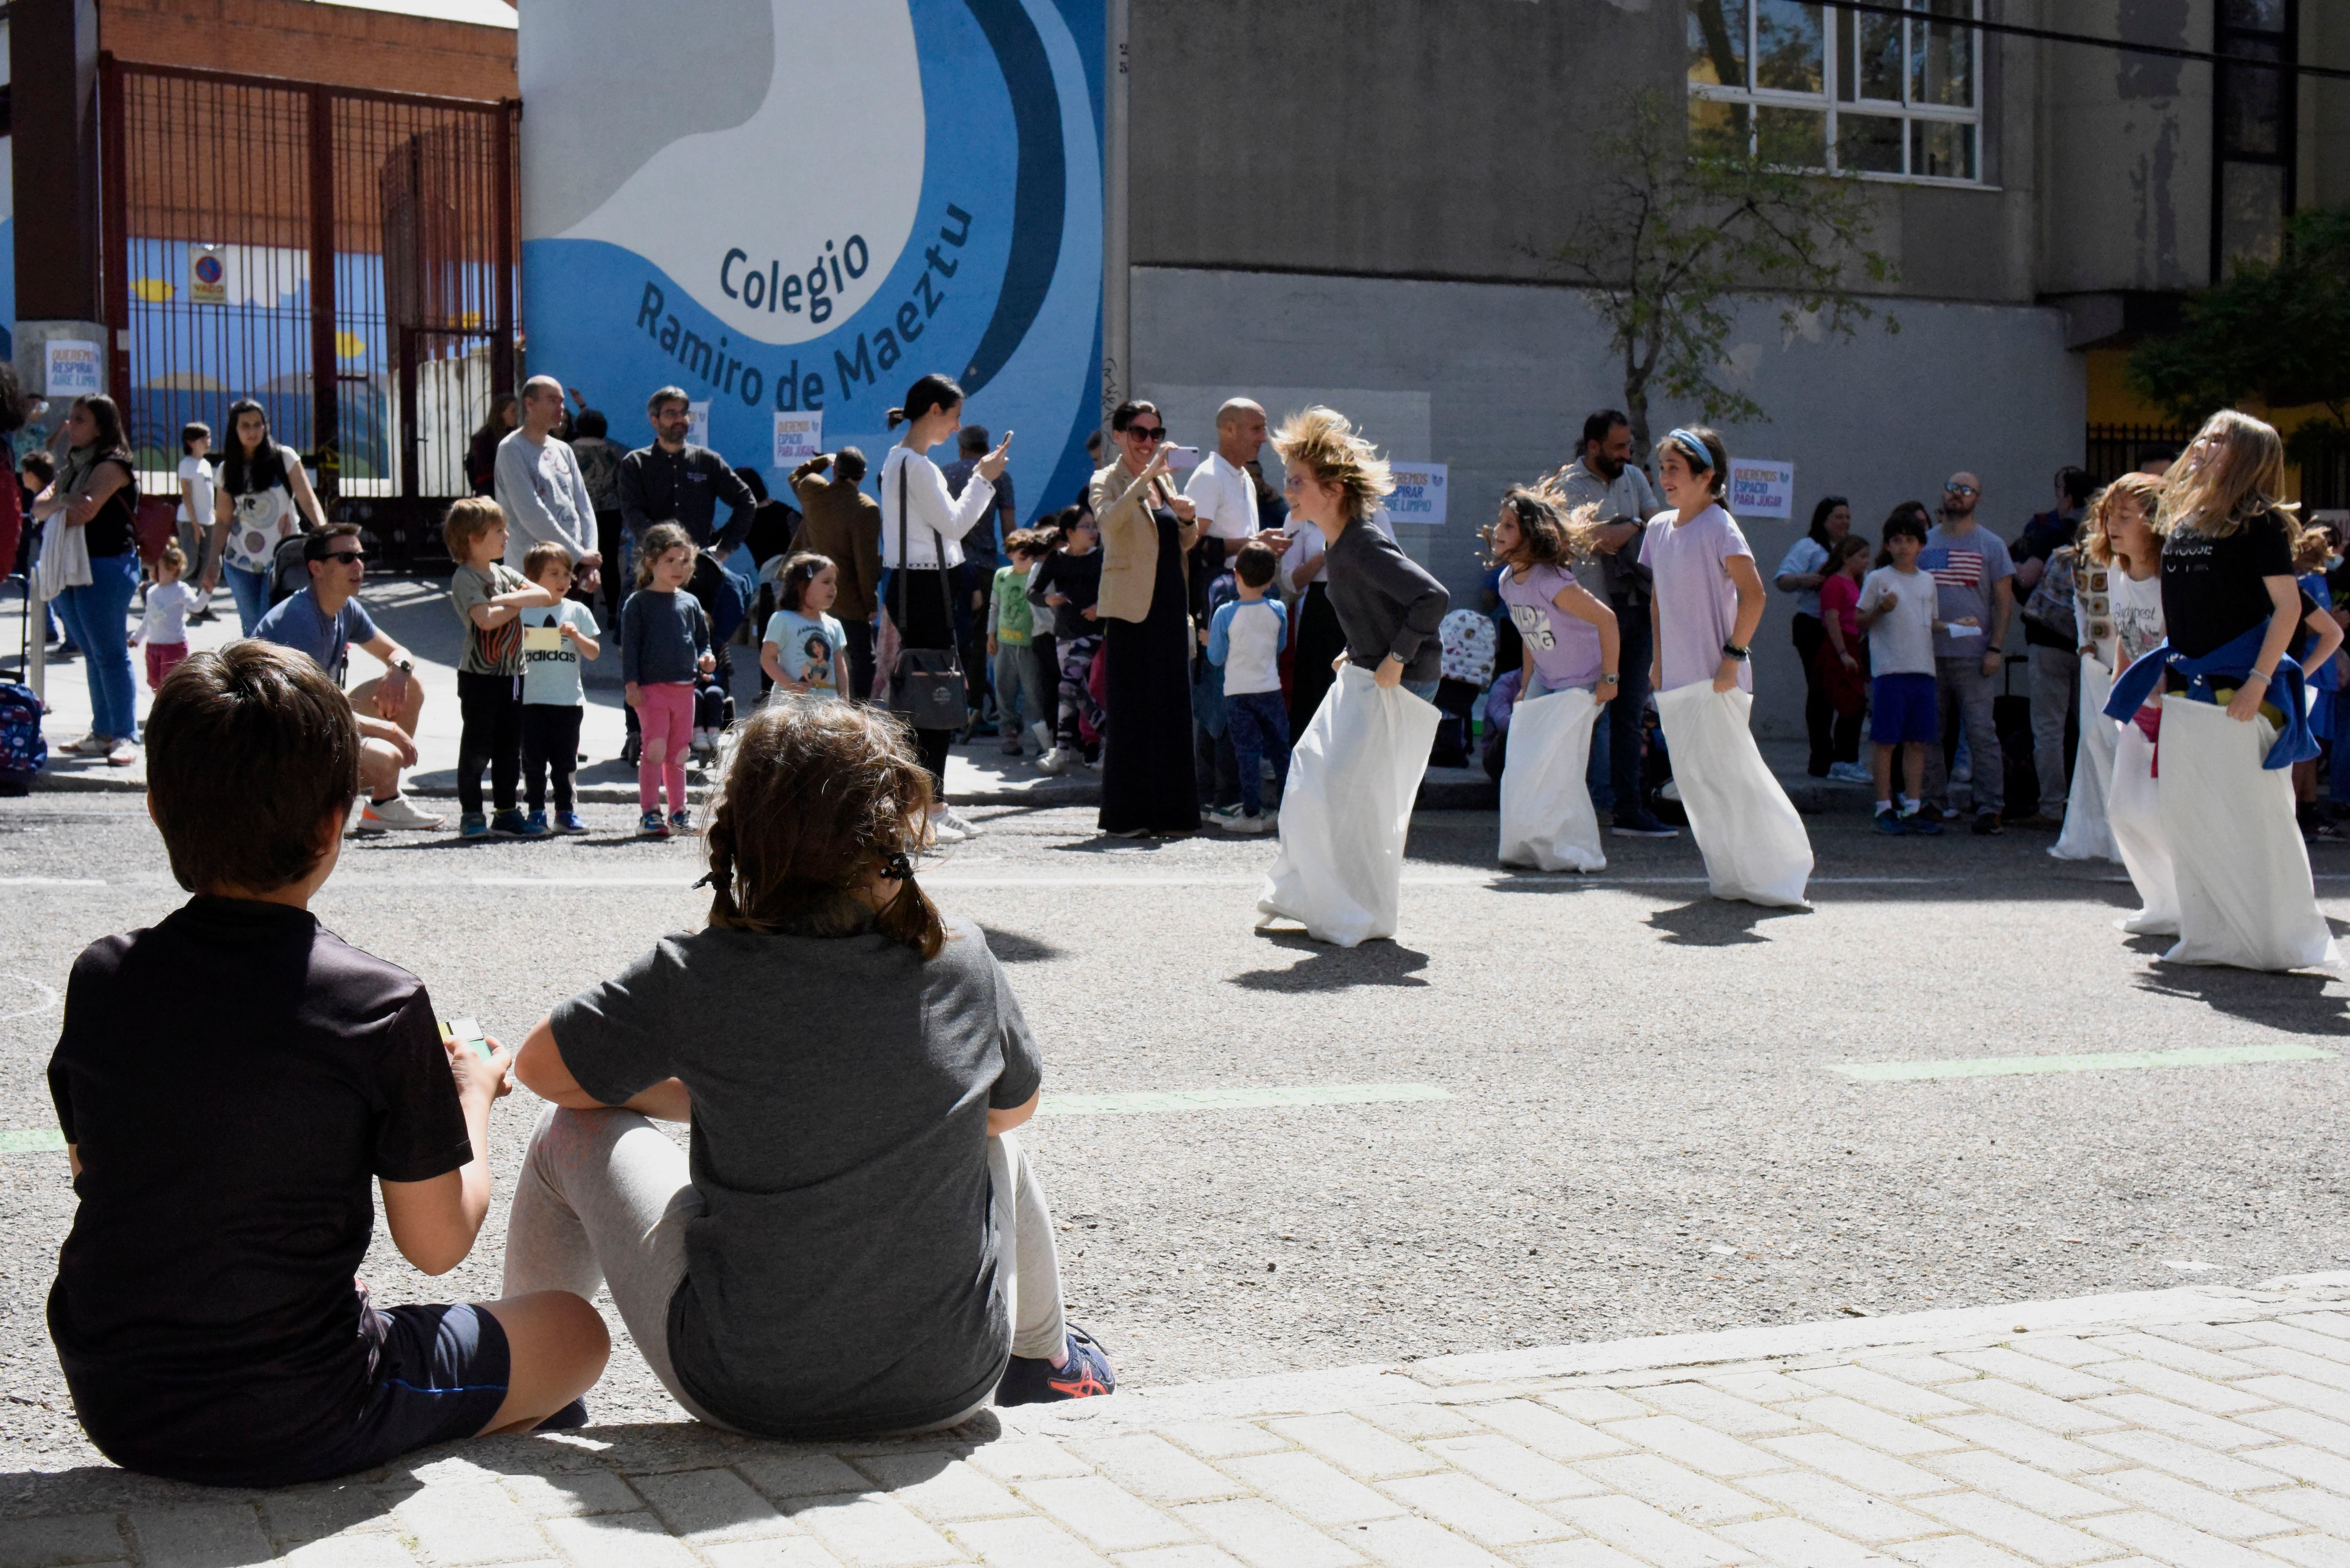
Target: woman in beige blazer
<point>1148,788</point>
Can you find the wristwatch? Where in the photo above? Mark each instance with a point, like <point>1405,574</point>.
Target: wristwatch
<point>1611,680</point>
<point>405,666</point>
<point>1735,651</point>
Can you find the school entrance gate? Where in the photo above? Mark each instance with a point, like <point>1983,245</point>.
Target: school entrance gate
<point>344,257</point>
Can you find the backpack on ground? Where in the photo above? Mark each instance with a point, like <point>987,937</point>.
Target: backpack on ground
<point>23,751</point>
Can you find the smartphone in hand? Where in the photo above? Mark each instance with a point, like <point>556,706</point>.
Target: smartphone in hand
<point>465,1032</point>
<point>1180,458</point>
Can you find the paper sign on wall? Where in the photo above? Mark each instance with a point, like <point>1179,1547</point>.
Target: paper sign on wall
<point>1761,488</point>
<point>1419,489</point>
<point>207,276</point>
<point>798,437</point>
<point>77,368</point>
<point>697,423</point>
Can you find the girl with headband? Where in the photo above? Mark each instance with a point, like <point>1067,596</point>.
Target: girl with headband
<point>1706,607</point>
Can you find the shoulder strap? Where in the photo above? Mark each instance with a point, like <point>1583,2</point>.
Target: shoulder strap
<point>904,564</point>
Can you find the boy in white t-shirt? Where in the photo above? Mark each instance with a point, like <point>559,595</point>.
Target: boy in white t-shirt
<point>1898,610</point>
<point>554,639</point>
<point>196,518</point>
<point>1245,641</point>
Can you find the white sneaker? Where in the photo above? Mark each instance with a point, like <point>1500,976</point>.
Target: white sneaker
<point>962,823</point>
<point>943,831</point>
<point>1261,823</point>
<point>1223,816</point>
<point>1851,773</point>
<point>1054,762</point>
<point>399,812</point>
<point>92,745</point>
<point>122,754</point>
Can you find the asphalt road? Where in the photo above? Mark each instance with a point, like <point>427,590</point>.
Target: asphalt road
<point>1644,1132</point>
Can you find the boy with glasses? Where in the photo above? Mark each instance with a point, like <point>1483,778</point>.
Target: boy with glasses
<point>325,621</point>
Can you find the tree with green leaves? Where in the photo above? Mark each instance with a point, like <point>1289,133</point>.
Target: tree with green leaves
<point>2278,331</point>
<point>1684,226</point>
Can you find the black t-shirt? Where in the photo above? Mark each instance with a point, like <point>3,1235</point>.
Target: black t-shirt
<point>841,1275</point>
<point>2212,591</point>
<point>1076,578</point>
<point>231,1078</point>
<point>111,530</point>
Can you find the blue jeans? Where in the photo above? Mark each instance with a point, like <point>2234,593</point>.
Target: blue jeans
<point>1259,725</point>
<point>96,617</point>
<point>1423,689</point>
<point>251,591</point>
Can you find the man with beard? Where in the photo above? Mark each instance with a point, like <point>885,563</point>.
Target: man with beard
<point>1974,581</point>
<point>1605,475</point>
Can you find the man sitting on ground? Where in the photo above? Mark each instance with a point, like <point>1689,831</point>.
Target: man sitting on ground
<point>323,620</point>
<point>228,1082</point>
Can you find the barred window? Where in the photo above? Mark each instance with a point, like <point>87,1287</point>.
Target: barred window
<point>1815,87</point>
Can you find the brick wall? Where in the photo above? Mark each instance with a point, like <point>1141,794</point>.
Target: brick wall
<point>308,41</point>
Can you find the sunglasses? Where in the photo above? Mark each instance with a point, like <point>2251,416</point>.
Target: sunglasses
<point>1147,432</point>
<point>353,556</point>
<point>1959,490</point>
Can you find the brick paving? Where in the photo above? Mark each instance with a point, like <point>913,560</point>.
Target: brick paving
<point>2197,1427</point>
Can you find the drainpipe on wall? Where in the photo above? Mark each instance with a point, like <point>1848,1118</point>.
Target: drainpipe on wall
<point>1118,374</point>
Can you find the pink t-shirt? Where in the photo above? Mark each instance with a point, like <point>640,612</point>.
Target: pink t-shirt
<point>1840,598</point>
<point>1697,604</point>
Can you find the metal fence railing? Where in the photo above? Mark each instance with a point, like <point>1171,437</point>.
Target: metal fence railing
<point>345,257</point>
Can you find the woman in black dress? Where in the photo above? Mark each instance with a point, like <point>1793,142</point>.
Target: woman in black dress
<point>1148,784</point>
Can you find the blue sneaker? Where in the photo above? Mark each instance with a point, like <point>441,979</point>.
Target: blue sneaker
<point>535,826</point>
<point>1032,1380</point>
<point>1888,824</point>
<point>680,821</point>
<point>1921,822</point>
<point>472,825</point>
<point>652,825</point>
<point>569,822</point>
<point>510,824</point>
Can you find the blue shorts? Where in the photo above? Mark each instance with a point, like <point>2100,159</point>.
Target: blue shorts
<point>1901,708</point>
<point>439,1375</point>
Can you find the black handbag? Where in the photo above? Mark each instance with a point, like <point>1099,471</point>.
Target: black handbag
<point>927,686</point>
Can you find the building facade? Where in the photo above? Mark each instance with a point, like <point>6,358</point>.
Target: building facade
<point>1359,206</point>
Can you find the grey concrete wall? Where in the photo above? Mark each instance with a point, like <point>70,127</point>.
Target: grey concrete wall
<point>2126,161</point>
<point>1495,379</point>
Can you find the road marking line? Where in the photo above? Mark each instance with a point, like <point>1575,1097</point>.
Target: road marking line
<point>2083,1062</point>
<point>34,1140</point>
<point>1148,1101</point>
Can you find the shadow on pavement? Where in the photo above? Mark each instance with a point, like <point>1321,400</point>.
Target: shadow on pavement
<point>1013,947</point>
<point>1326,968</point>
<point>1716,923</point>
<point>2296,1003</point>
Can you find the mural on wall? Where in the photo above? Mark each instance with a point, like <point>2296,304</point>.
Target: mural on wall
<point>794,208</point>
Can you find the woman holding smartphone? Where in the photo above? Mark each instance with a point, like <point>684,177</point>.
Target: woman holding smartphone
<point>1149,785</point>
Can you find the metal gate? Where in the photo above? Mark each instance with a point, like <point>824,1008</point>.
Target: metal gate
<point>345,257</point>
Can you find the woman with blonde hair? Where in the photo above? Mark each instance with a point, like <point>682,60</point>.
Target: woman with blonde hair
<point>1356,768</point>
<point>1150,787</point>
<point>2118,607</point>
<point>2234,713</point>
<point>820,1259</point>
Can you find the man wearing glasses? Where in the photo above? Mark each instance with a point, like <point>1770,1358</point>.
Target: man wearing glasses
<point>324,620</point>
<point>1974,579</point>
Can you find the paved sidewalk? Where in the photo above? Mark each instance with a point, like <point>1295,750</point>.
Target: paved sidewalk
<point>2196,1428</point>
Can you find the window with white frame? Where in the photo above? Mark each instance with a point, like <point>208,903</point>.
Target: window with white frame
<point>1809,85</point>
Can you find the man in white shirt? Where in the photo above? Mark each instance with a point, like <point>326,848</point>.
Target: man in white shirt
<point>540,489</point>
<point>1221,492</point>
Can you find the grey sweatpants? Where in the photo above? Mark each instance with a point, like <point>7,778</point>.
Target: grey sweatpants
<point>1962,694</point>
<point>2055,685</point>
<point>604,1198</point>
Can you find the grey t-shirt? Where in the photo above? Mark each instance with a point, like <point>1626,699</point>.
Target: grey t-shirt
<point>1967,568</point>
<point>1621,576</point>
<point>841,1277</point>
